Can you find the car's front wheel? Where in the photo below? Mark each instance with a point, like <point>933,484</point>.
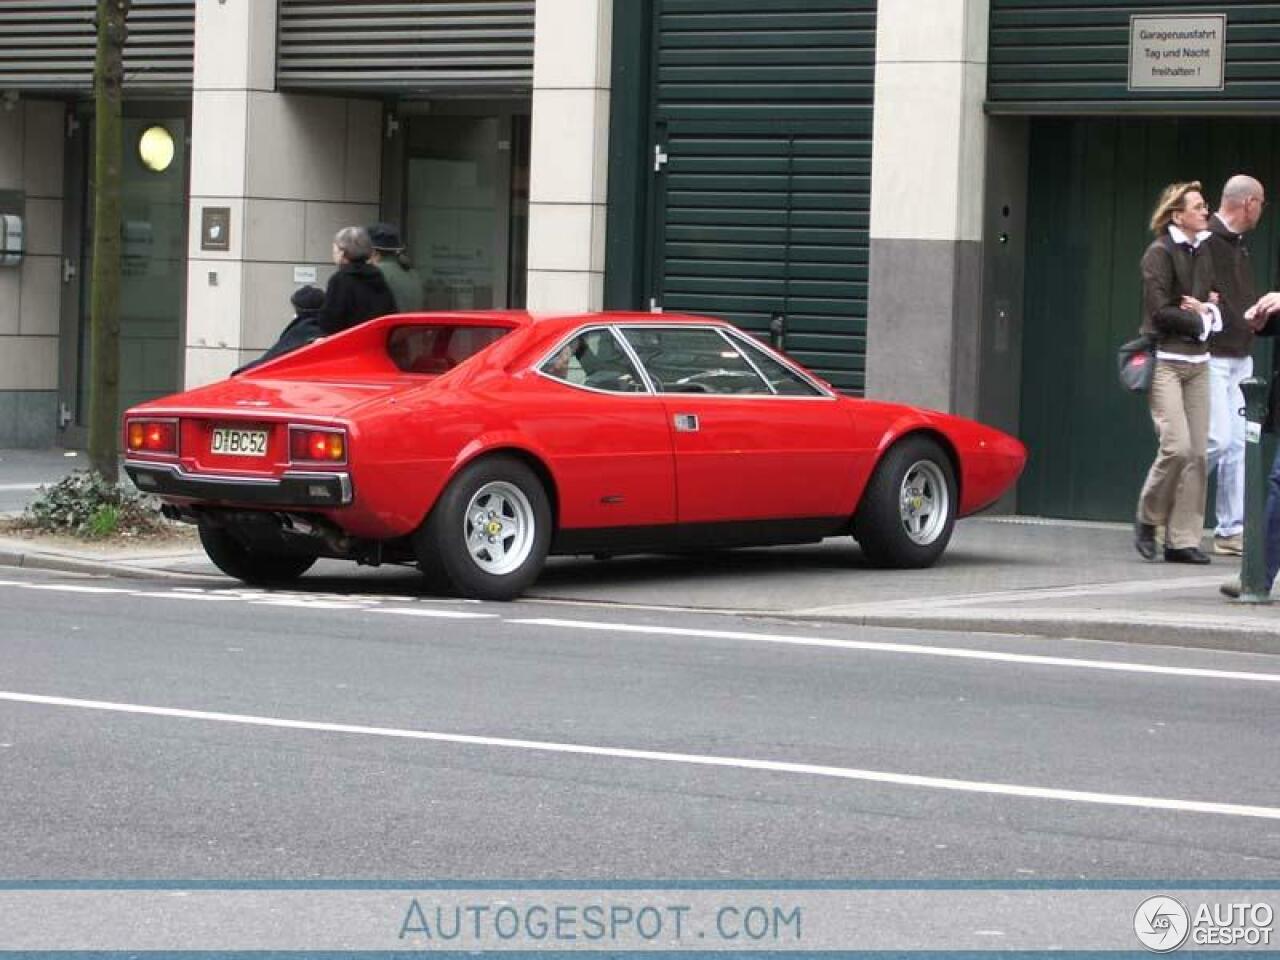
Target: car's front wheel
<point>908,510</point>
<point>260,567</point>
<point>488,534</point>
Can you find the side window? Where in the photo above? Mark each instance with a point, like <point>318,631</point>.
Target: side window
<point>694,360</point>
<point>781,377</point>
<point>594,359</point>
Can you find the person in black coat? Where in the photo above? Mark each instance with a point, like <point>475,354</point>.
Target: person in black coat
<point>1264,318</point>
<point>302,329</point>
<point>357,290</point>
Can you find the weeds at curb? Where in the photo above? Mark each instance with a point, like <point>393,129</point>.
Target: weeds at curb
<point>84,505</point>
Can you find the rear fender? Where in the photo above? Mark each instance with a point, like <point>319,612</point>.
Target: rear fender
<point>508,443</point>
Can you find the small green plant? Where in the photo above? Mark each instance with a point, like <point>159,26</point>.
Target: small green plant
<point>85,505</point>
<point>104,522</point>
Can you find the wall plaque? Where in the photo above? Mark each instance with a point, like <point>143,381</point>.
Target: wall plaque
<point>215,228</point>
<point>1177,53</point>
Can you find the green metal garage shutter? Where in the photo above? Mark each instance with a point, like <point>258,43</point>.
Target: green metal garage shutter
<point>49,46</point>
<point>762,167</point>
<point>417,46</point>
<point>1073,56</point>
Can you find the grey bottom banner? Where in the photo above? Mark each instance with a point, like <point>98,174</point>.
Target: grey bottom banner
<point>365,919</point>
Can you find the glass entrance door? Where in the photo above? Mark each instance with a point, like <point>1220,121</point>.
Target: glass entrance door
<point>465,210</point>
<point>153,262</point>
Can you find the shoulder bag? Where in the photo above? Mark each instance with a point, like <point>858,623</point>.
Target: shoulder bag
<point>1136,363</point>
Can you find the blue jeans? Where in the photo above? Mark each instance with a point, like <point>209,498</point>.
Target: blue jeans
<point>1273,520</point>
<point>1226,440</point>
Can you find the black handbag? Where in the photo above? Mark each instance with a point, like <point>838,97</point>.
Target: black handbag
<point>1136,364</point>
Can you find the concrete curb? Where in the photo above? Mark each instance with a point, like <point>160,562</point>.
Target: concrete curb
<point>1108,629</point>
<point>61,563</point>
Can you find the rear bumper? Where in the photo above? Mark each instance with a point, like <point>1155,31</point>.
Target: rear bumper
<point>293,489</point>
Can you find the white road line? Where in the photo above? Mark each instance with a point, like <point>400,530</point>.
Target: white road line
<point>911,648</point>
<point>162,595</point>
<point>619,753</point>
<point>303,601</point>
<point>68,588</point>
<point>6,487</point>
<point>441,614</point>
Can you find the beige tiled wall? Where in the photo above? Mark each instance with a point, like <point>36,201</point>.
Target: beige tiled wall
<point>293,169</point>
<point>927,188</point>
<point>569,155</point>
<point>31,165</point>
<point>930,82</point>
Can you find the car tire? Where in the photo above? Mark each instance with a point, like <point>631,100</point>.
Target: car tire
<point>908,509</point>
<point>487,536</point>
<point>256,567</point>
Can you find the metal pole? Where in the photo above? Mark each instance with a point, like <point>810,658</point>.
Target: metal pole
<point>1253,566</point>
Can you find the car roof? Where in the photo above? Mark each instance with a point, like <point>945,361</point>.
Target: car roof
<point>545,321</point>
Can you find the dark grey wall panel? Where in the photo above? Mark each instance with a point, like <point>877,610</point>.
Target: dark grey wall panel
<point>413,46</point>
<point>1072,56</point>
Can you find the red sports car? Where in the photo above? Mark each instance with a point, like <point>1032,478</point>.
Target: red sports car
<point>475,444</point>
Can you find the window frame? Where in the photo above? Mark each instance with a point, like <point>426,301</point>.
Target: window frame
<point>747,343</point>
<point>732,336</point>
<point>623,347</point>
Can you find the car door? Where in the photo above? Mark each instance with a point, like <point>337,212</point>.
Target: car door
<point>606,435</point>
<point>750,444</point>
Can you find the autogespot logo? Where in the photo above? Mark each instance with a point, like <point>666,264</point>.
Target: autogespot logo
<point>1161,924</point>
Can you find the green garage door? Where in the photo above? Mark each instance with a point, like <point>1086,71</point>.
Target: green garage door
<point>761,167</point>
<point>1093,183</point>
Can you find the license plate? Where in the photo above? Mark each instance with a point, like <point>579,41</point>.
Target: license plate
<point>240,443</point>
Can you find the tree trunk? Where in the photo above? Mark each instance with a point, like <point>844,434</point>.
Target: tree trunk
<point>104,308</point>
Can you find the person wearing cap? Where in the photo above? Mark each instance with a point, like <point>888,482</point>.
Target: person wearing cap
<point>390,257</point>
<point>302,329</point>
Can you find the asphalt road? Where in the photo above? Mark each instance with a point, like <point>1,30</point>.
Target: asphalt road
<point>187,731</point>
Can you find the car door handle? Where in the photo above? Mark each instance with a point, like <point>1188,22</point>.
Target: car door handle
<point>686,422</point>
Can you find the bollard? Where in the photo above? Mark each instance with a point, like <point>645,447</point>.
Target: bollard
<point>1253,566</point>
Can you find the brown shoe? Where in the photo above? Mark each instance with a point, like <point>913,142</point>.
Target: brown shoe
<point>1144,539</point>
<point>1229,546</point>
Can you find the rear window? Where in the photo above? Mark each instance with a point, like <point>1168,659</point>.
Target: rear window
<point>438,348</point>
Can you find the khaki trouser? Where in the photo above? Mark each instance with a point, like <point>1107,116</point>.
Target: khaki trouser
<point>1174,494</point>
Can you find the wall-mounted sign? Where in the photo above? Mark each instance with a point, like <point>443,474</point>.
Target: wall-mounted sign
<point>304,274</point>
<point>1177,53</point>
<point>215,228</point>
<point>11,243</point>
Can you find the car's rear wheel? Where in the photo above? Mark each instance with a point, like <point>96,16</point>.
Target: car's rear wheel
<point>488,534</point>
<point>908,510</point>
<point>257,566</point>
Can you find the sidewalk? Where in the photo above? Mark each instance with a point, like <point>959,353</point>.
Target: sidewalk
<point>1000,575</point>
